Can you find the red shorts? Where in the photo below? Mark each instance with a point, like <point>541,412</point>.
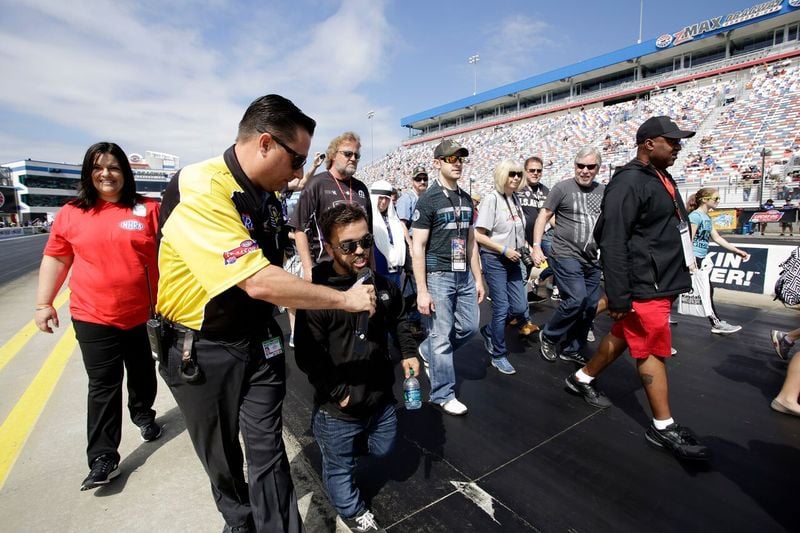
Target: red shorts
<point>646,328</point>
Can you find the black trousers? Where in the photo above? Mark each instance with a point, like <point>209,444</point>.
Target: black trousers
<point>239,390</point>
<point>106,350</point>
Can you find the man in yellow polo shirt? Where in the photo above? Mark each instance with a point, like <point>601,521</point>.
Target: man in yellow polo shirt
<point>221,276</point>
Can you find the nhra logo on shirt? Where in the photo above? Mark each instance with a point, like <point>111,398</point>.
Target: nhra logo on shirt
<point>131,225</point>
<point>247,246</point>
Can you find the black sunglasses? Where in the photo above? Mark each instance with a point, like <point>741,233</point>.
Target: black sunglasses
<point>298,160</point>
<point>348,154</point>
<point>349,247</point>
<point>581,166</point>
<point>451,159</point>
<point>513,174</point>
<point>420,178</point>
<point>534,170</point>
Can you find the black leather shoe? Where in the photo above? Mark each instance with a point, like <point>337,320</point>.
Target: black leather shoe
<point>681,441</point>
<point>150,431</point>
<point>547,348</point>
<point>590,393</point>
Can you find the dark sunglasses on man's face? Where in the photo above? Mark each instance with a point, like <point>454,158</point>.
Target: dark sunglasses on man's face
<point>298,160</point>
<point>581,166</point>
<point>421,178</point>
<point>534,170</point>
<point>451,159</point>
<point>349,247</point>
<point>349,153</point>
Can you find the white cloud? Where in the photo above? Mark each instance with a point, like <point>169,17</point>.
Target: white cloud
<point>155,80</point>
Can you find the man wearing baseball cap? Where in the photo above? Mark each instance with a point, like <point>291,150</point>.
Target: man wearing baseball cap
<point>640,232</point>
<point>447,271</point>
<point>408,201</point>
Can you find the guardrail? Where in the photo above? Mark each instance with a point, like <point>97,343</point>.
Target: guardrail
<point>6,233</point>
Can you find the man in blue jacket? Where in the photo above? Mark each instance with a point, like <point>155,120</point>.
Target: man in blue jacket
<point>640,233</point>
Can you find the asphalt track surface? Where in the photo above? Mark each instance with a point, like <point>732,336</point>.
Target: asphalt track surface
<point>527,457</point>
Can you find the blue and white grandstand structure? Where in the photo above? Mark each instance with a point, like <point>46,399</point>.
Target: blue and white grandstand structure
<point>733,78</point>
<point>42,187</point>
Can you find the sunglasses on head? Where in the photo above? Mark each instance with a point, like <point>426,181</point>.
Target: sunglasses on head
<point>581,166</point>
<point>420,178</point>
<point>534,170</point>
<point>298,160</point>
<point>514,174</point>
<point>349,153</point>
<point>451,159</point>
<point>349,247</point>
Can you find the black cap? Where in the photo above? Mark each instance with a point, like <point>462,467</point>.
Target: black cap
<point>660,127</point>
<point>449,147</point>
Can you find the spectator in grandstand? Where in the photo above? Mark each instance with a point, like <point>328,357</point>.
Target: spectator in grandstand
<point>500,234</point>
<point>389,233</point>
<point>576,205</point>
<point>447,271</point>
<point>352,377</point>
<point>699,205</point>
<point>787,399</point>
<point>220,260</point>
<point>769,205</point>
<point>325,190</point>
<point>645,269</point>
<point>108,309</point>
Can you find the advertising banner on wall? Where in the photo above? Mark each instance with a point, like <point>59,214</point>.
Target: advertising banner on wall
<point>733,272</point>
<point>8,201</point>
<point>724,219</point>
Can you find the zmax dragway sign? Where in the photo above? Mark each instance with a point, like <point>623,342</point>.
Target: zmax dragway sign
<point>690,32</point>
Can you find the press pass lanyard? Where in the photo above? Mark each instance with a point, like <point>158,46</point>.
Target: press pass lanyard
<point>515,215</point>
<point>683,227</point>
<point>349,198</point>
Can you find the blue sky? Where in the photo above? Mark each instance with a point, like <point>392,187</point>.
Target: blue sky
<point>176,76</point>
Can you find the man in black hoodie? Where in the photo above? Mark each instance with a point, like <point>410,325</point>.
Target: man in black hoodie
<point>346,358</point>
<point>640,234</point>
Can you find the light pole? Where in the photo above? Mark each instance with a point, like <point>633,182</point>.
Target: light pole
<point>370,116</point>
<point>473,60</point>
<point>764,153</point>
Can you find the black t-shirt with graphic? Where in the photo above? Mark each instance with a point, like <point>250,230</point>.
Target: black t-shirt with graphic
<point>532,200</point>
<point>447,215</point>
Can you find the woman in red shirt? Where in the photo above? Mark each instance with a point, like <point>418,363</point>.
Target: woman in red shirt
<point>107,236</point>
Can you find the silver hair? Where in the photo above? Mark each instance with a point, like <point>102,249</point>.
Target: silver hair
<point>586,151</point>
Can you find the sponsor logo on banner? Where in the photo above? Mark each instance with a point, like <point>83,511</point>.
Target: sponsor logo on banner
<point>773,215</point>
<point>688,33</point>
<point>731,271</point>
<point>247,246</point>
<point>724,219</point>
<point>131,225</point>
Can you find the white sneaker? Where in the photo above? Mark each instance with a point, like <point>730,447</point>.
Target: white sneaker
<point>723,328</point>
<point>454,407</point>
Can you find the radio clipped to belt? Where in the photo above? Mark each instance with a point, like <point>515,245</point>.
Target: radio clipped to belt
<point>155,326</point>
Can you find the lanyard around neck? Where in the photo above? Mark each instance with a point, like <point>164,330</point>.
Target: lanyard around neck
<point>456,213</point>
<point>349,185</point>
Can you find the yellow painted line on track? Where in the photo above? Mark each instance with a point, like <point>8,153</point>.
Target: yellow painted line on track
<point>19,424</point>
<point>15,343</point>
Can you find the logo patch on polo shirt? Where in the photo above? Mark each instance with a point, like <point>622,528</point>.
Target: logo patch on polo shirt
<point>247,246</point>
<point>131,225</point>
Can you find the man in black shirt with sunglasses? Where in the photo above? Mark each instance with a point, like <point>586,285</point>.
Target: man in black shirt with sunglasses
<point>327,189</point>
<point>576,205</point>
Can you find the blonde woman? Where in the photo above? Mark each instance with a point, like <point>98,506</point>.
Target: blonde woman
<point>699,205</point>
<point>500,233</point>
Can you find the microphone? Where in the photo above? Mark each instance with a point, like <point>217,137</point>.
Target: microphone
<point>364,277</point>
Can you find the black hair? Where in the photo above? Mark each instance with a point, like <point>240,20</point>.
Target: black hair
<point>274,114</point>
<point>87,192</point>
<point>340,214</point>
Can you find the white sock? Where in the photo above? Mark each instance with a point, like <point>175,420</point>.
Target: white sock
<point>583,377</point>
<point>662,424</point>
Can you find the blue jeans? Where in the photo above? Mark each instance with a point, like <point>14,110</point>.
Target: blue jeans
<point>547,248</point>
<point>579,285</point>
<point>336,439</point>
<point>504,278</point>
<point>449,327</point>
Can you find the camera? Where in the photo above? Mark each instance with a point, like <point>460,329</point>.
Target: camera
<point>525,256</point>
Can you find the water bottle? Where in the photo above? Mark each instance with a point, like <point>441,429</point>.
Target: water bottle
<point>411,393</point>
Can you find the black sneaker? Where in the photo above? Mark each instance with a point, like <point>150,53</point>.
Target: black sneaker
<point>236,529</point>
<point>365,521</point>
<point>487,339</point>
<point>150,432</point>
<point>572,358</point>
<point>590,393</point>
<point>680,440</point>
<point>547,348</point>
<point>104,469</point>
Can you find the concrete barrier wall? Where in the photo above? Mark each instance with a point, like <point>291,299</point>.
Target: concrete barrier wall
<point>6,233</point>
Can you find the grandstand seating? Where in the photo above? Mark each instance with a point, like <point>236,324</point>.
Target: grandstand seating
<point>735,115</point>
